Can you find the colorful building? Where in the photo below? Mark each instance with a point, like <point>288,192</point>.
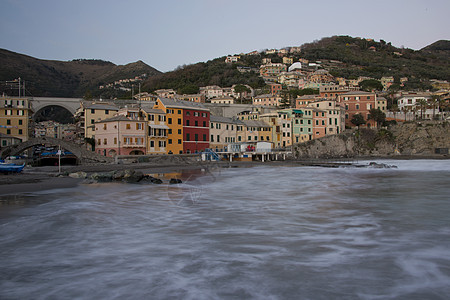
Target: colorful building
<point>195,128</point>
<point>358,102</point>
<point>95,112</point>
<point>120,136</point>
<point>267,100</point>
<point>188,124</point>
<point>156,131</point>
<point>15,117</point>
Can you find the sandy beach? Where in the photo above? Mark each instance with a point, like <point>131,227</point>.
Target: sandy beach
<point>34,179</point>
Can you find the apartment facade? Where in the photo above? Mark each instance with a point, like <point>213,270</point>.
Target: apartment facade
<point>267,100</point>
<point>15,117</point>
<point>195,128</point>
<point>156,130</point>
<point>95,112</point>
<point>358,102</point>
<point>120,136</point>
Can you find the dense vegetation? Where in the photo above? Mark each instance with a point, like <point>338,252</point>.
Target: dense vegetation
<point>361,57</point>
<point>64,79</point>
<point>214,72</point>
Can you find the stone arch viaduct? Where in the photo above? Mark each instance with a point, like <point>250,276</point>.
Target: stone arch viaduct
<point>71,104</point>
<point>83,155</point>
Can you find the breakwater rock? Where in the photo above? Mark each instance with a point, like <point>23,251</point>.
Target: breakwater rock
<point>412,139</point>
<point>128,176</point>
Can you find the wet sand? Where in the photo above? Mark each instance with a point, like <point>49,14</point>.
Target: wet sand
<point>33,179</point>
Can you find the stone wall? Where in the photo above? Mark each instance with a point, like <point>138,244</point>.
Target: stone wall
<point>418,139</point>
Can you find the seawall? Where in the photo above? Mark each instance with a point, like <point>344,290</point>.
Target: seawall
<point>418,139</point>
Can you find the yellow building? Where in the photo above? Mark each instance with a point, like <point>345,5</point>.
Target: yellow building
<point>257,131</point>
<point>157,130</point>
<point>95,112</point>
<point>174,121</point>
<point>15,117</point>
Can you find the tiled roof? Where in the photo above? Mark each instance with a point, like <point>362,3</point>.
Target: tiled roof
<point>253,123</point>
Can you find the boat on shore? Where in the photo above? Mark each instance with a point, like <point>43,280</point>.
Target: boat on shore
<point>11,168</point>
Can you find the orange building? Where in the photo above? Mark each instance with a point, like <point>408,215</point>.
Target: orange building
<point>174,120</point>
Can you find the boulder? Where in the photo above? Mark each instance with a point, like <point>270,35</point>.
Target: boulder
<point>102,177</point>
<point>175,181</point>
<point>82,175</point>
<point>150,179</point>
<point>132,176</point>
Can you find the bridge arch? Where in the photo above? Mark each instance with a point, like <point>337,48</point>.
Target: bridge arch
<point>81,153</point>
<point>71,104</point>
<point>53,112</point>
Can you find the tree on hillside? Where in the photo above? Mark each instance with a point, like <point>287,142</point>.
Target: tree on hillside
<point>358,120</point>
<point>377,115</point>
<point>240,89</point>
<point>369,85</point>
<point>189,89</point>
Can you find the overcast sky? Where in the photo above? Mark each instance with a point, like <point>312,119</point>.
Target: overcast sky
<point>168,33</point>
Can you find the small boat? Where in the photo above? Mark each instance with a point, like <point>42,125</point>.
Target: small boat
<point>11,168</point>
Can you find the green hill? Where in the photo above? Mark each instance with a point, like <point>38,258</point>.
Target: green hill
<point>65,78</point>
<point>361,57</point>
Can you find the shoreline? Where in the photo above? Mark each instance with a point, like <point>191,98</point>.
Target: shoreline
<point>47,178</point>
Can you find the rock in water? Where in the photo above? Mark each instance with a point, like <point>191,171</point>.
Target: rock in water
<point>175,181</point>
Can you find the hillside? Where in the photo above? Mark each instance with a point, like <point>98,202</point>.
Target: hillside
<point>65,78</point>
<point>362,57</point>
<point>343,56</point>
<point>189,78</point>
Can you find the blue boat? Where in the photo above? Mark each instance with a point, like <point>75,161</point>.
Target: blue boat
<point>11,168</point>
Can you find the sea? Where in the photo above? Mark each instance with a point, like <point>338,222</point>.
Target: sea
<point>262,232</point>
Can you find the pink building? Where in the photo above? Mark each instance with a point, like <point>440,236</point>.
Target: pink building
<point>120,136</point>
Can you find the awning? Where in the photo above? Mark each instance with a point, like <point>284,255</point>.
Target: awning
<point>158,126</point>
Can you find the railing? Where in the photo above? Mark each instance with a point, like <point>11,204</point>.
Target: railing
<point>211,155</point>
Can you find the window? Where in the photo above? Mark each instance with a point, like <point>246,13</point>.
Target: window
<point>179,111</point>
<point>212,138</point>
<point>152,144</point>
<point>204,124</point>
<point>115,141</point>
<point>169,121</point>
<point>170,141</point>
<point>128,126</point>
<point>187,122</point>
<point>196,123</point>
<point>179,141</point>
<point>104,126</point>
<point>92,121</point>
<point>188,137</point>
<point>204,137</point>
<point>106,112</point>
<point>179,131</point>
<point>20,122</point>
<point>92,111</point>
<point>8,122</point>
<point>170,131</point>
<point>139,126</point>
<point>8,131</point>
<point>196,137</point>
<point>99,142</point>
<point>357,106</point>
<point>188,113</point>
<point>105,141</point>
<point>20,131</point>
<point>179,121</point>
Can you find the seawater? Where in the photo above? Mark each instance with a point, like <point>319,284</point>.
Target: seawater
<point>263,232</point>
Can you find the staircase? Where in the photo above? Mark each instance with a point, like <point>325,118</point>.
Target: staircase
<point>211,155</point>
